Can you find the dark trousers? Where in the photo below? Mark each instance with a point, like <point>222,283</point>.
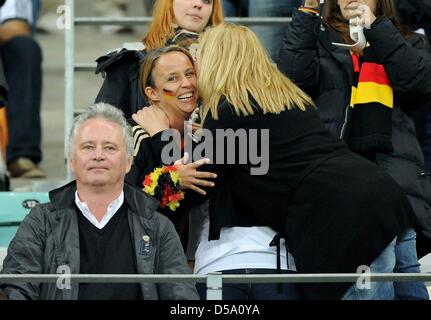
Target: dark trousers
<point>255,291</point>
<point>22,60</point>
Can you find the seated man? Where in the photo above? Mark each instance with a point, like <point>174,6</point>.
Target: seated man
<point>97,224</point>
<point>22,62</point>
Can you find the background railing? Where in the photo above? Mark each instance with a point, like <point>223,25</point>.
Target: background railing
<point>215,280</point>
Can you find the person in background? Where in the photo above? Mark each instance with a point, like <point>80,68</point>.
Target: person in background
<point>366,96</point>
<point>22,61</point>
<point>417,15</point>
<point>97,224</point>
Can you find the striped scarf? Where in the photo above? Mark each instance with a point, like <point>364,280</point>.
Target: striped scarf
<point>369,122</point>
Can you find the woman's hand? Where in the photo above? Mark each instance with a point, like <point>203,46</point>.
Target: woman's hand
<point>360,14</point>
<point>152,119</point>
<point>192,179</point>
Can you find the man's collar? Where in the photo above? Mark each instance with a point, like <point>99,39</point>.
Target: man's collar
<point>138,201</point>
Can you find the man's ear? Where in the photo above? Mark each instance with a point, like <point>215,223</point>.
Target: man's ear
<point>71,163</point>
<point>152,94</point>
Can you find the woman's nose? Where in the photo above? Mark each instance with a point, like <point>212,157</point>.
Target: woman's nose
<point>187,82</point>
<point>197,4</point>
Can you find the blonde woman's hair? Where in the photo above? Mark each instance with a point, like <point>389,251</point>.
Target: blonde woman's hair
<point>161,28</point>
<point>233,63</point>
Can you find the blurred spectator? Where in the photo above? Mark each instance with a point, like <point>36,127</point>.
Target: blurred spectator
<point>22,59</point>
<point>417,15</point>
<point>367,97</point>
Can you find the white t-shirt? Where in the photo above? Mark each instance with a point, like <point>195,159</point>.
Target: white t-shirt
<point>239,248</point>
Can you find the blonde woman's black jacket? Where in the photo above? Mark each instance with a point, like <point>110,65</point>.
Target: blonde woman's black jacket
<point>325,72</point>
<point>324,199</point>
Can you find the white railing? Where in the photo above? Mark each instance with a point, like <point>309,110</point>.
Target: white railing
<point>215,280</point>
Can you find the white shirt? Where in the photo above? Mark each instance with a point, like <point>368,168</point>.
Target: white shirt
<point>110,212</point>
<point>239,248</point>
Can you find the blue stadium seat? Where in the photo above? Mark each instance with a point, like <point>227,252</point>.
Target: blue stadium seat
<point>13,208</point>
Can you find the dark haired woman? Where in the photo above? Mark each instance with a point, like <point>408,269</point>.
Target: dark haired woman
<point>366,96</point>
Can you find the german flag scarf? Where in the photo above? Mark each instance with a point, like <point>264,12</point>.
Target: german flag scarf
<point>369,122</point>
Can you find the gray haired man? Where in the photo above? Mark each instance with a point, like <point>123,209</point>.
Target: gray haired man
<point>97,224</point>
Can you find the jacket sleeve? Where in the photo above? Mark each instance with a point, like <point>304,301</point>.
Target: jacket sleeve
<point>298,57</point>
<point>171,260</point>
<point>25,256</point>
<point>147,154</point>
<point>143,160</point>
<point>408,65</point>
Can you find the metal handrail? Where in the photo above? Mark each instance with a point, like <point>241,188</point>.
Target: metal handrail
<point>130,21</point>
<point>85,66</point>
<point>231,278</point>
<point>214,281</point>
<point>10,224</point>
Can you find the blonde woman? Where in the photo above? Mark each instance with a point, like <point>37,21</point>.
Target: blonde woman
<point>325,200</point>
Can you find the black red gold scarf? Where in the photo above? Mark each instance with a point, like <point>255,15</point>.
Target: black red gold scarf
<point>369,124</point>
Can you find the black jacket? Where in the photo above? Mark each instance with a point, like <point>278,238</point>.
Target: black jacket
<point>325,72</point>
<point>325,199</point>
<point>120,87</point>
